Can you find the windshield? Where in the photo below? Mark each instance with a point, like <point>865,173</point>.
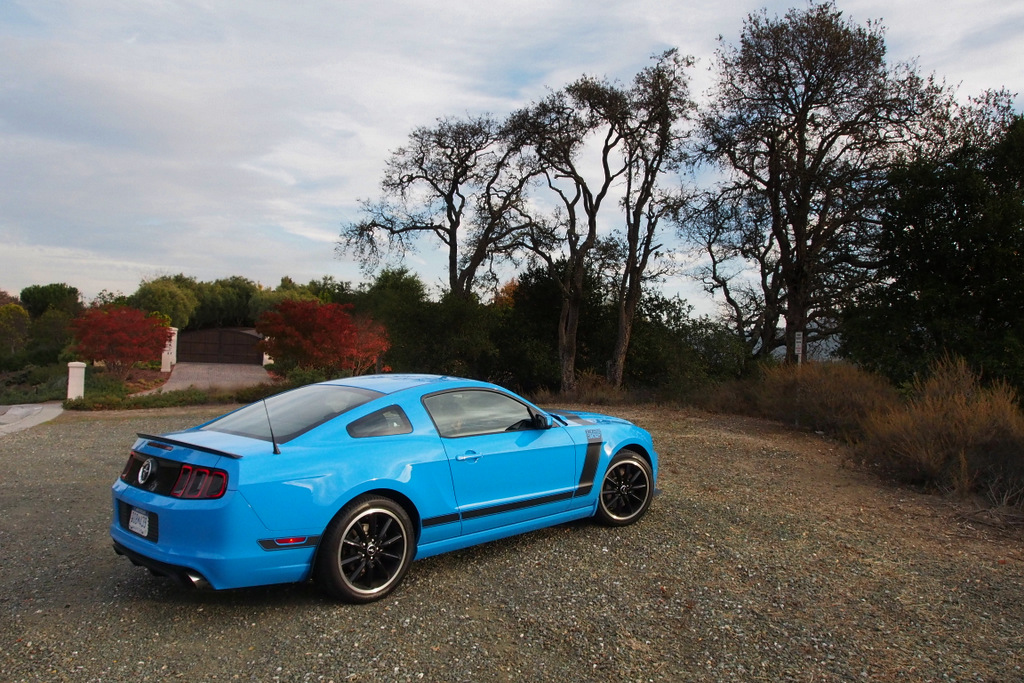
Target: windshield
<point>292,413</point>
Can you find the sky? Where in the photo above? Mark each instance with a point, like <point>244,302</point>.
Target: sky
<point>142,138</point>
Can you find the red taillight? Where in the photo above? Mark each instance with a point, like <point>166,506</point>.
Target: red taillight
<point>200,482</point>
<point>128,466</point>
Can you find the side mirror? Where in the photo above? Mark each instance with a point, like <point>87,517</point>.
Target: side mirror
<point>542,421</point>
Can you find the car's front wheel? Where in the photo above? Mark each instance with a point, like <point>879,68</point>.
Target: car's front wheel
<point>366,550</point>
<point>626,490</point>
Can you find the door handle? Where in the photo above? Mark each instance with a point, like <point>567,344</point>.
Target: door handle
<point>470,456</point>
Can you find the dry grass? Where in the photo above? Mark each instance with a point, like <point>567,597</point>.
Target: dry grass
<point>590,388</point>
<point>953,434</point>
<point>833,398</point>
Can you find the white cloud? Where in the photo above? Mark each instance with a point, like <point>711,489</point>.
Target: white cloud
<point>221,138</point>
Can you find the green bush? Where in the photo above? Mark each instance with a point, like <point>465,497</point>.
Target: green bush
<point>297,377</point>
<point>33,384</point>
<point>260,391</point>
<point>118,401</point>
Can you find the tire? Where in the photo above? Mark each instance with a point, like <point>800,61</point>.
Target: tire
<point>626,489</point>
<point>366,550</point>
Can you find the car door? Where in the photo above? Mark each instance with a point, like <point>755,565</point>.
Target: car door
<point>505,469</point>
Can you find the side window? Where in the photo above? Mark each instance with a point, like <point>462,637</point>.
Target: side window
<point>385,422</point>
<point>467,413</point>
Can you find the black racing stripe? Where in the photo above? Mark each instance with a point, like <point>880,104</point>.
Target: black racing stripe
<point>589,467</point>
<point>518,505</point>
<point>571,417</point>
<point>440,519</point>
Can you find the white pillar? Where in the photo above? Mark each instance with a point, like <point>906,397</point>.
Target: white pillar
<point>76,380</point>
<point>170,355</point>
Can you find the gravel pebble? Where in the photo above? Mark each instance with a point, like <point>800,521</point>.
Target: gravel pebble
<point>764,558</point>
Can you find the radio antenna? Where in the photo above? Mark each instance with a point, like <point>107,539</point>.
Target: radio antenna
<point>273,440</point>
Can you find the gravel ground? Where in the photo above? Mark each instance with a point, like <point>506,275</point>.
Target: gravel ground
<point>764,559</point>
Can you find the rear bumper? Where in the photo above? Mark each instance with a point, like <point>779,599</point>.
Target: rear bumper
<point>186,576</point>
<point>208,543</point>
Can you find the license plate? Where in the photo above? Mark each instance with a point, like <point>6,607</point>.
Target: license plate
<point>138,521</point>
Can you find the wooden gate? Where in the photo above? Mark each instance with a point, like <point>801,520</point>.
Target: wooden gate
<point>220,345</point>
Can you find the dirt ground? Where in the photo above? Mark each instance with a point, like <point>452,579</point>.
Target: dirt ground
<point>766,557</point>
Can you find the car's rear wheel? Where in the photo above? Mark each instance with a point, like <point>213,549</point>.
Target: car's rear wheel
<point>626,490</point>
<point>366,550</point>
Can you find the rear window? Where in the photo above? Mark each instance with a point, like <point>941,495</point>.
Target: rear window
<point>292,413</point>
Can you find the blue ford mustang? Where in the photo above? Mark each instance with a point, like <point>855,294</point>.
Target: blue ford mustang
<point>347,481</point>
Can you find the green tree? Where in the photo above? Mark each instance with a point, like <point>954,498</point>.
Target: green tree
<point>37,299</point>
<point>49,335</point>
<point>167,297</point>
<point>952,263</point>
<point>397,299</point>
<point>331,291</point>
<point>677,355</point>
<point>226,303</point>
<point>261,300</point>
<point>527,330</point>
<point>14,328</point>
<point>805,121</point>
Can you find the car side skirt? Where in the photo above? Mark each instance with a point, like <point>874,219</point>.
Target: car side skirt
<point>460,542</point>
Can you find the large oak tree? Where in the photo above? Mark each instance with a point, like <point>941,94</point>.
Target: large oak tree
<point>805,121</point>
<point>952,264</point>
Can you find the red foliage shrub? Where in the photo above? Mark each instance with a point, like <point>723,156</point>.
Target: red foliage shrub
<point>120,337</point>
<point>309,334</point>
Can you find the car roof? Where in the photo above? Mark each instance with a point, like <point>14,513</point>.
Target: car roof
<point>390,383</point>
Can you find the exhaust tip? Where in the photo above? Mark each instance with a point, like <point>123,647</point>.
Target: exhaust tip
<point>197,580</point>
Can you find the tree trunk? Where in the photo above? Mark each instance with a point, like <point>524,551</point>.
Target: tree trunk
<point>627,315</point>
<point>568,326</point>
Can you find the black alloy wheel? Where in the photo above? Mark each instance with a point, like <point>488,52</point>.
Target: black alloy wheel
<point>626,490</point>
<point>367,550</point>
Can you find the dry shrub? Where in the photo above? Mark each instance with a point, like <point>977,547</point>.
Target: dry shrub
<point>953,434</point>
<point>594,389</point>
<point>831,397</point>
<point>736,396</point>
<point>591,388</point>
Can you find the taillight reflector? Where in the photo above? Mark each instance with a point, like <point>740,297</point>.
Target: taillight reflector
<point>291,540</point>
<point>199,483</point>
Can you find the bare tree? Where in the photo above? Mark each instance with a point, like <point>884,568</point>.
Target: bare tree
<point>457,182</point>
<point>594,140</point>
<point>558,129</point>
<point>659,106</point>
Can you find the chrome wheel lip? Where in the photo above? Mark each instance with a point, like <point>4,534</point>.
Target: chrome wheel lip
<point>620,487</point>
<point>365,550</point>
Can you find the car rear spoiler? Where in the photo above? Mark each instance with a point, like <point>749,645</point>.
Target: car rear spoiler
<point>185,444</point>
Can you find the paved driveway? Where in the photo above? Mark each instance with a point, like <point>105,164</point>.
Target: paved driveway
<point>16,418</point>
<point>183,375</point>
<point>215,376</point>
